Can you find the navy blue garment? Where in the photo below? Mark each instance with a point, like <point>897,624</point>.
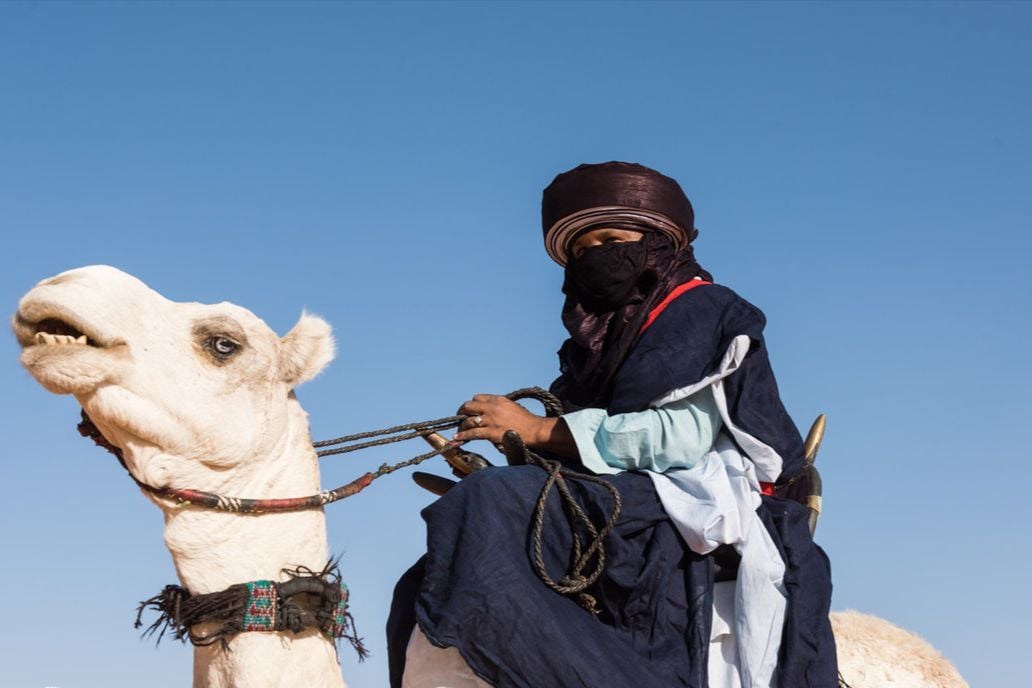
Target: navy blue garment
<point>480,594</point>
<point>476,590</point>
<point>686,343</point>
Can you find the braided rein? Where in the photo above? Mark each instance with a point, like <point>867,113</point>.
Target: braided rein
<point>183,497</point>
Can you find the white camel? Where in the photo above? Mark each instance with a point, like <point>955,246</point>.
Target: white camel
<point>199,396</point>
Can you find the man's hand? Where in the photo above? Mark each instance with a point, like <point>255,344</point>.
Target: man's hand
<point>491,415</point>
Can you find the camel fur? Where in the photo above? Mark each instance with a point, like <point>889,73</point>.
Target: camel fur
<point>150,374</point>
<point>875,653</point>
<point>200,396</point>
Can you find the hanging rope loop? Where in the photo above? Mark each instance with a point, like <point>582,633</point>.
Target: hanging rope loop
<point>588,555</point>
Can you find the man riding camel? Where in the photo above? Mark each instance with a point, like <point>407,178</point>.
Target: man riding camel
<point>711,577</point>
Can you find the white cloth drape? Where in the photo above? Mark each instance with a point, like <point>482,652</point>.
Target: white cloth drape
<point>713,503</point>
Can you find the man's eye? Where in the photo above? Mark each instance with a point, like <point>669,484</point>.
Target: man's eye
<point>223,347</point>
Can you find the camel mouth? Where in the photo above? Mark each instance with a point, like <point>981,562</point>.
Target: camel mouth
<point>64,351</point>
<point>53,329</point>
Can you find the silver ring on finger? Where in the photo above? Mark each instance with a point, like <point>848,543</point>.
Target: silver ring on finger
<point>478,420</point>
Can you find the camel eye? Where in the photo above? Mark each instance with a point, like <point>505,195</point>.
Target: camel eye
<point>222,347</point>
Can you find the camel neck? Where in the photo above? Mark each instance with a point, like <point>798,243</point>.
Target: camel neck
<point>269,659</point>
<point>213,550</point>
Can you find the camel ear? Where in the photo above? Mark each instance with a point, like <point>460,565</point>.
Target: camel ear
<point>305,350</point>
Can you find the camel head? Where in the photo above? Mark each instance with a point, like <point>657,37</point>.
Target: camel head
<point>189,392</point>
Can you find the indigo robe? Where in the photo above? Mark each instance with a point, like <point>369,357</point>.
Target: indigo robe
<point>476,590</point>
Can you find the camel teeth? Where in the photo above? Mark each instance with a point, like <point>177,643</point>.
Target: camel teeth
<point>47,338</point>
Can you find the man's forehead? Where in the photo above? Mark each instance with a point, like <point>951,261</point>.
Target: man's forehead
<point>605,232</point>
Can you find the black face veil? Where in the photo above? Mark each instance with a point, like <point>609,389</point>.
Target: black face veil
<point>605,276</point>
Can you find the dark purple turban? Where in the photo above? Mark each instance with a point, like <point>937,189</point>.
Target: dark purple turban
<point>613,194</point>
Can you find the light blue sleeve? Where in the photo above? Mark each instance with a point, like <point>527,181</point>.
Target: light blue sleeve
<point>677,435</point>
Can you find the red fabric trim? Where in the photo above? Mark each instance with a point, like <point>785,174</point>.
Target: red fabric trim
<point>677,291</point>
<point>767,489</point>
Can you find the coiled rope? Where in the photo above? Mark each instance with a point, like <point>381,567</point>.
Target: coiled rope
<point>581,573</point>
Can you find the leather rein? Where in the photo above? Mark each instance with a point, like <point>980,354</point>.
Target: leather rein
<point>243,505</point>
<point>183,497</point>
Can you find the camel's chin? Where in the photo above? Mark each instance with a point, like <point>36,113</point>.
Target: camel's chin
<point>68,369</point>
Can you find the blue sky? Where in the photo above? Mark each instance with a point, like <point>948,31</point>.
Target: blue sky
<point>860,171</point>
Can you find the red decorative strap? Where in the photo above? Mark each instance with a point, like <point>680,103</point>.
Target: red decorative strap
<point>677,291</point>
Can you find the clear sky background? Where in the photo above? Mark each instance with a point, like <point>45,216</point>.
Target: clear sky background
<point>859,171</point>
